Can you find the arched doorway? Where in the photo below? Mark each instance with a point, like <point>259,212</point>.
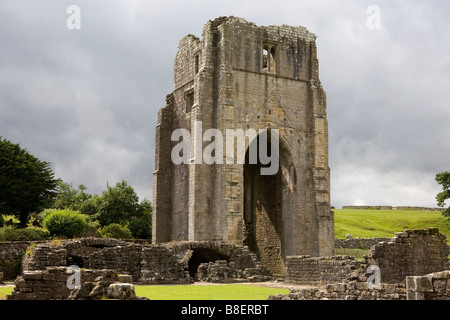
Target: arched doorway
<point>203,255</point>
<point>267,198</point>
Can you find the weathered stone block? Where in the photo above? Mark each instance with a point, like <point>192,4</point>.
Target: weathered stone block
<point>440,286</point>
<point>32,275</point>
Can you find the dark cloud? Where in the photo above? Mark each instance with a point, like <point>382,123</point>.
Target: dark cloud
<point>86,100</point>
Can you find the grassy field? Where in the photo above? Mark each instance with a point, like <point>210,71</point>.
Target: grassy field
<point>196,292</point>
<point>384,223</point>
<point>208,292</point>
<point>4,291</point>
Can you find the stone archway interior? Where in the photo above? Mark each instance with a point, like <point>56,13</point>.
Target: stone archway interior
<point>263,216</point>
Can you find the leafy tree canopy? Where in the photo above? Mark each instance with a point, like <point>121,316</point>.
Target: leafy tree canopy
<point>117,204</point>
<point>27,184</point>
<point>443,178</point>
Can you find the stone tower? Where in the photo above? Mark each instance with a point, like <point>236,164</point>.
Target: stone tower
<point>241,76</point>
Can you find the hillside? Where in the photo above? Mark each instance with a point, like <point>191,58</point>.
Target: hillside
<point>384,223</point>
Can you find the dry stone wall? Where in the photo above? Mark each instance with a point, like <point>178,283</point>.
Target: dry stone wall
<point>412,208</point>
<point>358,243</point>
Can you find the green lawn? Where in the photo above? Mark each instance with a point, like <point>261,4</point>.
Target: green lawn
<point>208,292</point>
<point>4,291</point>
<point>196,292</point>
<point>384,223</point>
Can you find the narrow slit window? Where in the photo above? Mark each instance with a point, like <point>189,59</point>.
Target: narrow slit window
<point>272,60</point>
<point>196,62</point>
<point>265,59</point>
<point>189,97</point>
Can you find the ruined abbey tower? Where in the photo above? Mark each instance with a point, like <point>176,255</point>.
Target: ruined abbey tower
<point>241,76</point>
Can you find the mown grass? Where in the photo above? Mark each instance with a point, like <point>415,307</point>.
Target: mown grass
<point>385,223</point>
<point>208,292</point>
<point>196,292</point>
<point>5,291</point>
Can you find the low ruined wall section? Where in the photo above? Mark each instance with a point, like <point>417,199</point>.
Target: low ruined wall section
<point>319,270</point>
<point>410,253</point>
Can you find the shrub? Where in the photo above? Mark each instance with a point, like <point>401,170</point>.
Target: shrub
<point>65,223</point>
<point>115,230</point>
<point>140,228</point>
<point>93,229</point>
<point>9,233</point>
<point>10,220</point>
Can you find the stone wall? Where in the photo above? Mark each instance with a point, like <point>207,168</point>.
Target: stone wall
<point>51,283</point>
<point>11,254</point>
<point>352,290</point>
<point>407,257</point>
<point>168,263</point>
<point>358,243</point>
<point>412,208</point>
<point>368,207</point>
<point>434,286</point>
<point>410,253</point>
<point>319,270</point>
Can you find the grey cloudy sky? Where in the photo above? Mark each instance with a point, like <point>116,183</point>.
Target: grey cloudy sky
<point>86,100</point>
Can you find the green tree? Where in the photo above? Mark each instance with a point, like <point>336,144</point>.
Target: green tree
<point>443,178</point>
<point>118,204</point>
<point>26,183</point>
<point>75,199</point>
<point>141,225</point>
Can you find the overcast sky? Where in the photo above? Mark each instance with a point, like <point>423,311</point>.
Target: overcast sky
<point>86,100</point>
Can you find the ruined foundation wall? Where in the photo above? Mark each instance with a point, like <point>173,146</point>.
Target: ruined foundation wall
<point>51,283</point>
<point>417,257</point>
<point>410,253</point>
<point>11,254</point>
<point>167,263</point>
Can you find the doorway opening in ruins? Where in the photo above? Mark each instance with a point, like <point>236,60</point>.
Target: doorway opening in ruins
<point>75,260</point>
<point>264,203</point>
<point>203,255</point>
